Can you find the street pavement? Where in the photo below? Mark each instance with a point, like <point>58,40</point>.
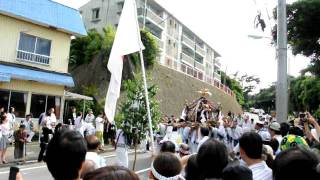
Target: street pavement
<point>39,171</point>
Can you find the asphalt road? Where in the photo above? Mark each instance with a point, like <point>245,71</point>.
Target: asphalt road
<point>39,171</point>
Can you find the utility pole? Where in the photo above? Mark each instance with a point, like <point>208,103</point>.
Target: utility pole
<point>282,76</point>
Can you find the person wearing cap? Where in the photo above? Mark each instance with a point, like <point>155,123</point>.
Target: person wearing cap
<point>274,130</point>
<point>262,131</point>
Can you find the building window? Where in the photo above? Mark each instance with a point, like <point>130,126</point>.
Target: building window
<point>41,103</point>
<point>18,100</point>
<point>169,42</point>
<point>38,105</point>
<point>175,25</point>
<point>54,102</point>
<point>170,22</point>
<point>174,45</point>
<point>34,49</point>
<point>95,13</point>
<point>4,99</point>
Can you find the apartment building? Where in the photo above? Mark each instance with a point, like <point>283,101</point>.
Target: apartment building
<point>181,49</point>
<point>34,53</point>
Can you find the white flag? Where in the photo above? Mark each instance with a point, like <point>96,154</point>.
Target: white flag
<point>127,40</point>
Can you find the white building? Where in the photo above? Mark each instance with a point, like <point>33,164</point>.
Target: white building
<point>181,49</point>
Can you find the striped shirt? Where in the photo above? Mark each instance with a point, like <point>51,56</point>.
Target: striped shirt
<point>261,171</point>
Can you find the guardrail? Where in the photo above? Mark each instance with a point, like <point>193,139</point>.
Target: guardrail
<point>200,75</point>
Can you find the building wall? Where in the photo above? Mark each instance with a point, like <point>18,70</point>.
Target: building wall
<point>108,14</point>
<point>35,87</point>
<point>9,39</point>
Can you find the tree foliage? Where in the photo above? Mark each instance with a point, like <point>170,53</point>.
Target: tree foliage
<point>235,86</point>
<point>132,117</point>
<point>84,49</point>
<point>303,19</point>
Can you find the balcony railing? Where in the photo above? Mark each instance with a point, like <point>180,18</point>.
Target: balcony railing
<point>200,51</point>
<point>33,57</point>
<point>192,72</point>
<point>152,16</point>
<point>199,66</point>
<point>187,58</point>
<point>188,41</point>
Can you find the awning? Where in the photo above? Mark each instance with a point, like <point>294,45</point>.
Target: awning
<point>74,96</point>
<point>5,77</point>
<point>36,75</point>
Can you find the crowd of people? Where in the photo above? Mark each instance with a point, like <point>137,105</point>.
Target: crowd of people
<point>226,148</point>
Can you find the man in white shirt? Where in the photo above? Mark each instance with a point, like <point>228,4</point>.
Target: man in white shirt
<point>93,145</point>
<point>251,145</point>
<point>121,149</point>
<point>99,128</point>
<point>234,133</point>
<point>204,131</point>
<point>11,117</point>
<point>89,117</point>
<point>246,124</point>
<point>262,131</point>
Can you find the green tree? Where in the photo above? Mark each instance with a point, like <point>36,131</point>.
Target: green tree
<point>132,118</point>
<point>235,86</point>
<point>83,49</point>
<point>303,18</point>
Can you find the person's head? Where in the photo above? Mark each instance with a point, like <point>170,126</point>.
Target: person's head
<point>93,143</point>
<point>79,114</point>
<point>73,109</point>
<point>184,150</point>
<point>11,110</point>
<point>65,154</point>
<point>274,144</point>
<point>1,109</point>
<point>165,165</point>
<point>291,141</point>
<point>111,173</point>
<point>3,118</point>
<point>204,131</point>
<point>51,110</point>
<point>296,131</point>
<point>90,112</point>
<point>284,128</point>
<point>274,129</point>
<point>22,127</point>
<point>296,163</point>
<point>237,173</point>
<point>259,125</point>
<point>192,168</point>
<point>168,146</point>
<point>250,144</point>
<point>212,158</point>
<point>28,117</point>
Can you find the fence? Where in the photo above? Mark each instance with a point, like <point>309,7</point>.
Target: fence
<point>195,73</point>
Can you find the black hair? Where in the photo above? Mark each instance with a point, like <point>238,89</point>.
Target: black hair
<point>111,173</point>
<point>296,131</point>
<point>92,142</point>
<point>251,144</point>
<point>167,164</point>
<point>168,146</point>
<point>11,109</point>
<point>65,154</point>
<point>237,173</point>
<point>3,116</point>
<point>212,158</point>
<point>79,113</point>
<point>284,129</point>
<point>204,131</point>
<point>29,115</point>
<point>274,144</point>
<point>192,168</point>
<point>296,163</point>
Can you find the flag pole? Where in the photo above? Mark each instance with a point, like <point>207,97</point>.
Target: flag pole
<point>147,99</point>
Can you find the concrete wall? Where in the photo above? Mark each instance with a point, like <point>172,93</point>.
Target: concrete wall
<point>10,29</point>
<point>176,87</point>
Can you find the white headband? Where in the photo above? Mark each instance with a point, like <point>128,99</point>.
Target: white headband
<point>160,177</point>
